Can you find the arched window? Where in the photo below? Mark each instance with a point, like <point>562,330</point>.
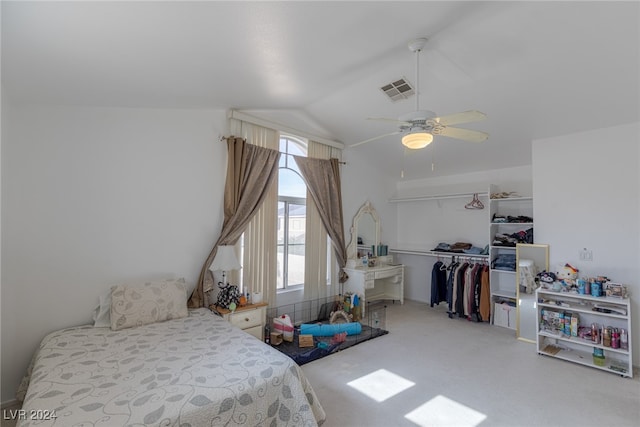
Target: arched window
<point>292,213</point>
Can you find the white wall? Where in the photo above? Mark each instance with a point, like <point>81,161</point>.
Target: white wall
<point>97,196</point>
<point>587,195</point>
<point>423,224</point>
<point>361,182</point>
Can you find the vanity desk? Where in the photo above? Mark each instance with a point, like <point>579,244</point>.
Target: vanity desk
<point>382,281</point>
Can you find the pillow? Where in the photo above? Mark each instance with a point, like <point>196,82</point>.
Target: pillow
<point>102,313</point>
<point>136,305</point>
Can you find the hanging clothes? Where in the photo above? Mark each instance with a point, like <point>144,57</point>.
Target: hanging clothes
<point>438,283</point>
<point>485,295</point>
<point>475,294</point>
<point>450,286</point>
<point>468,293</point>
<point>470,290</point>
<point>459,294</point>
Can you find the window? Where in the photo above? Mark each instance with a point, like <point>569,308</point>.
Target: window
<point>292,213</point>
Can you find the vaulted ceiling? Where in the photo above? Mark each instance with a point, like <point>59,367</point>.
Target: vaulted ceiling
<point>537,69</point>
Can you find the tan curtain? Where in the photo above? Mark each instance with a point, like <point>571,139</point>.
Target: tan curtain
<point>320,276</point>
<point>251,170</point>
<point>259,262</point>
<point>323,182</point>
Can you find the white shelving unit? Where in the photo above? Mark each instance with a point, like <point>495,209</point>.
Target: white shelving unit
<point>503,282</point>
<point>553,343</point>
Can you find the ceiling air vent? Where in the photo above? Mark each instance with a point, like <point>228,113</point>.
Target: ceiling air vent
<point>400,89</point>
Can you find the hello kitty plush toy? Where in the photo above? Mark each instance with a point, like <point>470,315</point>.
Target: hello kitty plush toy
<point>567,275</point>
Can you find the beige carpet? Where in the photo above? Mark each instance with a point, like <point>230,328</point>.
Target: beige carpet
<point>434,371</point>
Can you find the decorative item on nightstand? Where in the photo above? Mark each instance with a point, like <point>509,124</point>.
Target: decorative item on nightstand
<point>224,261</point>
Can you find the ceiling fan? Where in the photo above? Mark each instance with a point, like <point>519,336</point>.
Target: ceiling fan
<point>419,126</point>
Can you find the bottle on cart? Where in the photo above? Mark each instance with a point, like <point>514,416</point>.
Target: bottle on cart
<point>615,338</point>
<point>624,340</point>
<point>606,337</point>
<point>267,333</point>
<point>598,356</point>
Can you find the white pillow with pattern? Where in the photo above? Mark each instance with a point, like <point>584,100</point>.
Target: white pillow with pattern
<point>136,305</point>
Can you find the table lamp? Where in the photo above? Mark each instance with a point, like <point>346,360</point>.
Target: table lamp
<point>225,260</point>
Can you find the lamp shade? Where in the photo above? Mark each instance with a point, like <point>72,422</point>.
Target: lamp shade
<point>417,140</point>
<point>225,259</point>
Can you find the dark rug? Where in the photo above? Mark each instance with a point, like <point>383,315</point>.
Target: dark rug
<point>322,345</point>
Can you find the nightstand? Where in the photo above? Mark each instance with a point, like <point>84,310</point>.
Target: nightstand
<point>250,318</point>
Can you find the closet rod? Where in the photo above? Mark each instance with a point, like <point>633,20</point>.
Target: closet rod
<point>437,254</point>
<point>438,197</point>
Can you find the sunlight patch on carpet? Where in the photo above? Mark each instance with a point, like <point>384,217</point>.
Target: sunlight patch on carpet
<point>441,411</point>
<point>381,385</point>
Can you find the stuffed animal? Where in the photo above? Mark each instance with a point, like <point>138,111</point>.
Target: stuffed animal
<point>567,275</point>
<point>546,278</point>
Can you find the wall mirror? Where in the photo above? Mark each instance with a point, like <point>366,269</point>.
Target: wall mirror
<point>365,231</point>
<point>530,260</point>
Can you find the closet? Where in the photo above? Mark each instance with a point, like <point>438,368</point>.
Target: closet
<point>439,227</point>
<point>429,225</point>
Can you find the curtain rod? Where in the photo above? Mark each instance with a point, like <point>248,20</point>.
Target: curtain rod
<point>234,114</point>
<point>224,138</point>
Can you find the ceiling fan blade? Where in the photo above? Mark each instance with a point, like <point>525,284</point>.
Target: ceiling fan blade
<point>373,139</point>
<point>464,134</point>
<point>465,117</point>
<point>383,119</point>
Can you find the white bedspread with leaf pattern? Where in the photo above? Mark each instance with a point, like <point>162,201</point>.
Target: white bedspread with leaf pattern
<point>196,371</point>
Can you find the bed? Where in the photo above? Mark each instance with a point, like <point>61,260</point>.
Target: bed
<point>194,371</point>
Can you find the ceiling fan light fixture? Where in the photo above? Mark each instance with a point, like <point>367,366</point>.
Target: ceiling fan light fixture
<point>419,126</point>
<point>417,140</point>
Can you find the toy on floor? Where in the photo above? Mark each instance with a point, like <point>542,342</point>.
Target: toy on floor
<point>338,338</point>
<point>305,340</point>
<point>340,316</point>
<point>276,338</point>
<point>283,325</point>
<point>324,330</point>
